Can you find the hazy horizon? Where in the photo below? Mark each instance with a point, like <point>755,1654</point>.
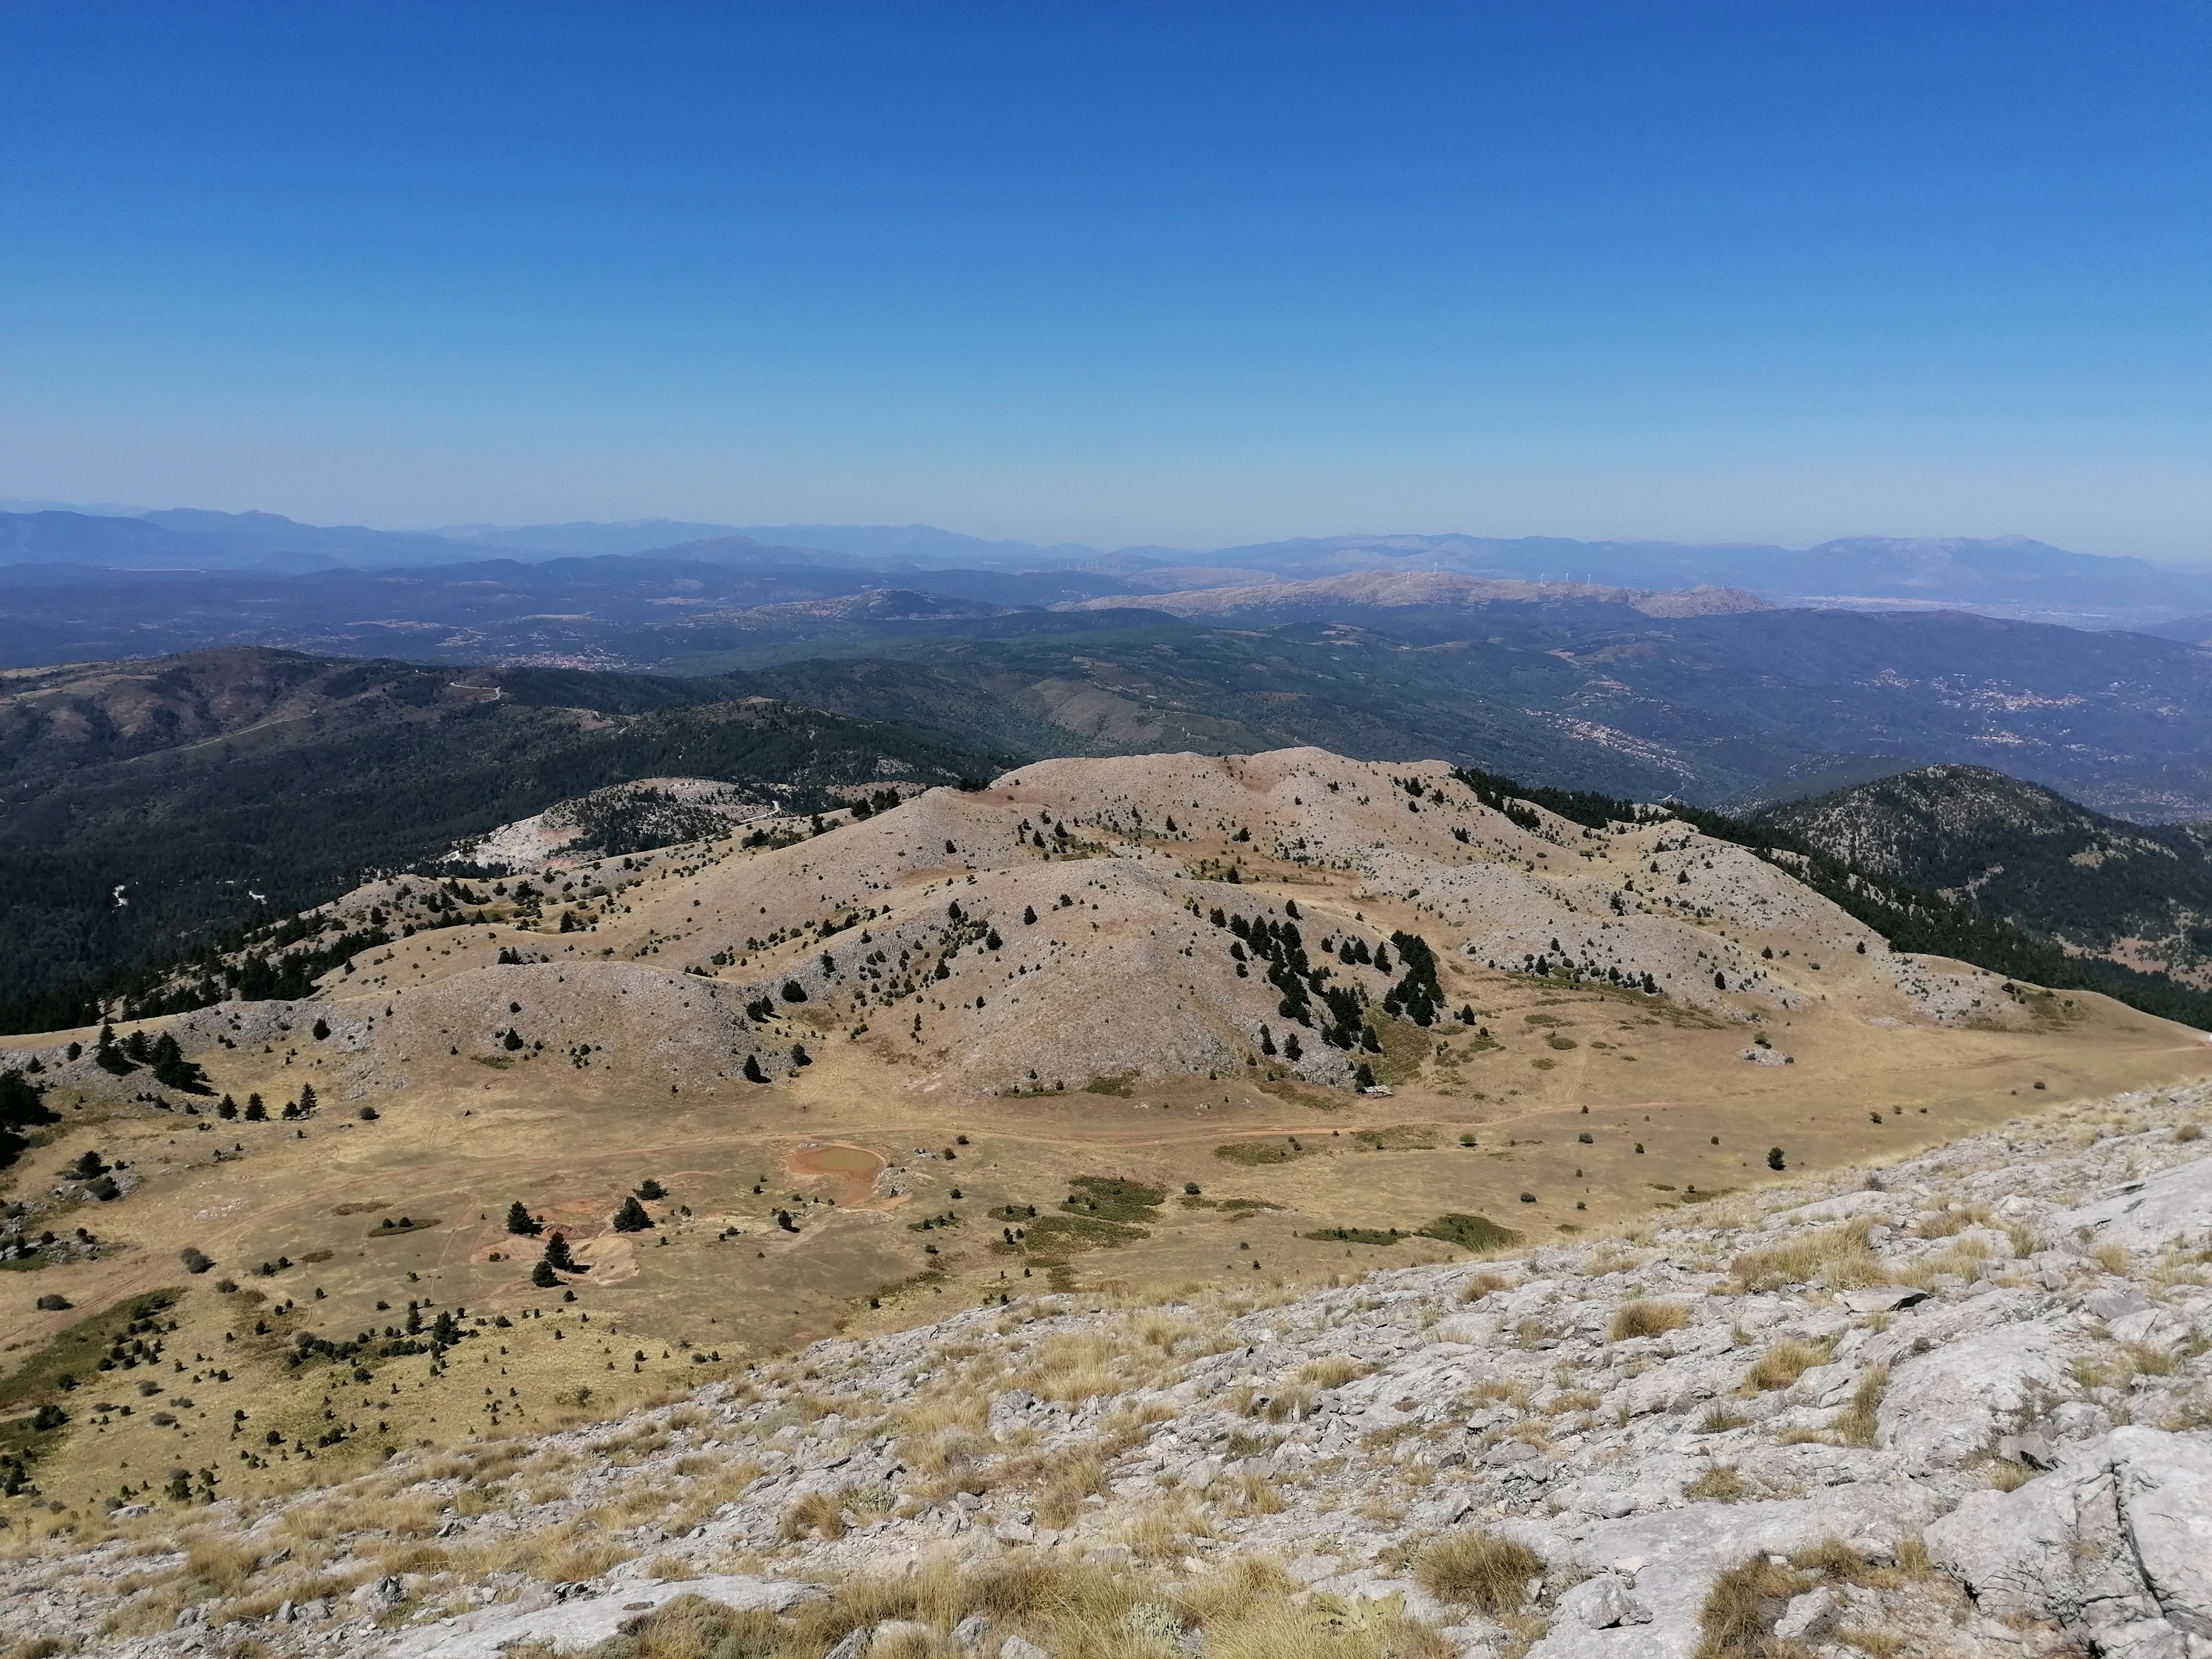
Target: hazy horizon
<point>1196,276</point>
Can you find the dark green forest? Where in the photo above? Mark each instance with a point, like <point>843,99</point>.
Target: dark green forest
<point>1913,919</point>
<point>188,834</point>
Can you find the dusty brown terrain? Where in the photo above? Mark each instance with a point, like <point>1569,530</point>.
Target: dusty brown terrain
<point>1112,1037</point>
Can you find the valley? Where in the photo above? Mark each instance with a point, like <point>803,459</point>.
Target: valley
<point>1028,1069</point>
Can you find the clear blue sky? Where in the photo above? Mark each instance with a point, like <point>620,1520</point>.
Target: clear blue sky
<point>1191,273</point>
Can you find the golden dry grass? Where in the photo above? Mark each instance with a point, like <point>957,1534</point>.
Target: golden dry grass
<point>1836,1255</point>
<point>1784,1362</point>
<point>1644,1318</point>
<point>1477,1569</point>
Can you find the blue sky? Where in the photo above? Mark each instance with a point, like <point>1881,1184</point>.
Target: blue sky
<point>1192,273</point>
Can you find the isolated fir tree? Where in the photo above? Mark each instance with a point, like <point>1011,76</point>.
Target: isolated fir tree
<point>322,1028</point>
<point>307,1100</point>
<point>171,1068</point>
<point>255,1111</point>
<point>753,1072</point>
<point>1774,1158</point>
<point>1363,1075</point>
<point>20,1108</point>
<point>632,1218</point>
<point>1267,1040</point>
<point>227,1109</point>
<point>1029,915</point>
<point>89,1166</point>
<point>521,1222</point>
<point>1290,1049</point>
<point>800,1056</point>
<point>557,1257</point>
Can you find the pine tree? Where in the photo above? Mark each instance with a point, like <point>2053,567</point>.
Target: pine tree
<point>557,1257</point>
<point>1267,1040</point>
<point>322,1028</point>
<point>1290,1049</point>
<point>255,1111</point>
<point>543,1277</point>
<point>1364,1076</point>
<point>650,1188</point>
<point>632,1218</point>
<point>1029,915</point>
<point>521,1222</point>
<point>753,1072</point>
<point>307,1100</point>
<point>1774,1158</point>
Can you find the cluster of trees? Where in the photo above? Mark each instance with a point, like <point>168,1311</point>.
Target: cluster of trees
<point>161,1056</point>
<point>20,1108</point>
<point>1418,995</point>
<point>257,1110</point>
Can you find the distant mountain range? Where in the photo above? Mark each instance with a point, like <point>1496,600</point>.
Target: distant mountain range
<point>2011,576</point>
<point>1708,693</point>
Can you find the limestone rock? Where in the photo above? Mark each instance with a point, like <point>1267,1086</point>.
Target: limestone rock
<point>2115,1545</point>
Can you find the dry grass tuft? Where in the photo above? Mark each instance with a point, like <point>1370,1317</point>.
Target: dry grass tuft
<point>1858,1421</point>
<point>1479,1570</point>
<point>1737,1621</point>
<point>1836,1255</point>
<point>1784,1362</point>
<point>1636,1318</point>
<point>818,1513</point>
<point>1720,1484</point>
<point>1333,1370</point>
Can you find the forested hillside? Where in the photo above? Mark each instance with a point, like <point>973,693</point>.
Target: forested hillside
<point>156,809</point>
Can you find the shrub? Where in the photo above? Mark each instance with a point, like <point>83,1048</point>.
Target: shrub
<point>632,1218</point>
<point>1471,1232</point>
<point>1774,1158</point>
<point>1478,1570</point>
<point>52,1303</point>
<point>195,1261</point>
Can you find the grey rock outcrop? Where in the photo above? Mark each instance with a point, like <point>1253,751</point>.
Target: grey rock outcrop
<point>2114,1545</point>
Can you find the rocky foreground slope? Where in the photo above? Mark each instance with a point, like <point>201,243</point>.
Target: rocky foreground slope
<point>1958,1406</point>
